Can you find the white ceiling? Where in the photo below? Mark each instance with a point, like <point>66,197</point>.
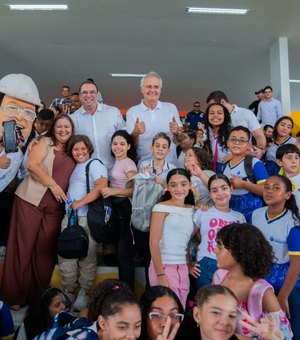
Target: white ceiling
<point>195,54</point>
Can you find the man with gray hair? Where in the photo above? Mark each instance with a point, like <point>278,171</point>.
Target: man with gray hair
<point>151,116</point>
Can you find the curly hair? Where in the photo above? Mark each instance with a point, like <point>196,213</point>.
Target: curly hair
<point>203,158</point>
<point>109,297</point>
<point>224,129</point>
<point>248,247</point>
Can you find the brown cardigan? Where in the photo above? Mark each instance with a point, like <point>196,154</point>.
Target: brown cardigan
<point>31,190</point>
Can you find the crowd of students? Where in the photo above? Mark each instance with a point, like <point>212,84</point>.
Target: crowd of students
<point>207,197</point>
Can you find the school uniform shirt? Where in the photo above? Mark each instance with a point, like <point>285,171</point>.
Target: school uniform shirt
<point>209,223</point>
<point>270,156</point>
<point>283,233</point>
<point>296,192</point>
<point>259,170</point>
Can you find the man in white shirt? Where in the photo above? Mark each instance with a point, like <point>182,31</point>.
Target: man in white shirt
<point>241,116</point>
<point>98,121</point>
<point>151,116</point>
<point>269,109</point>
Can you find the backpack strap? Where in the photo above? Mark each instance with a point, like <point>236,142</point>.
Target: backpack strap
<point>249,168</point>
<point>87,171</point>
<point>219,276</point>
<point>255,298</point>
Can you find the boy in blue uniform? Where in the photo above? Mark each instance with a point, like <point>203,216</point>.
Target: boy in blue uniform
<point>288,158</point>
<point>246,195</point>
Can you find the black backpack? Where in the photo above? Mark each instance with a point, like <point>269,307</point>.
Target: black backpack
<point>73,241</point>
<point>248,168</point>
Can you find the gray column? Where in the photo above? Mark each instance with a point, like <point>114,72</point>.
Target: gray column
<point>280,75</point>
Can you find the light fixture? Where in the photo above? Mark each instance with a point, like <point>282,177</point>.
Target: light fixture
<point>217,10</point>
<point>132,75</point>
<point>14,7</point>
<point>294,80</point>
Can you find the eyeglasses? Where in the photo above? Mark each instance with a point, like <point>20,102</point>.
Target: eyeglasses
<point>14,111</point>
<point>158,317</point>
<point>197,106</point>
<point>238,141</point>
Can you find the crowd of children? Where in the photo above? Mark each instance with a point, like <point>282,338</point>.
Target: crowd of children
<point>216,186</point>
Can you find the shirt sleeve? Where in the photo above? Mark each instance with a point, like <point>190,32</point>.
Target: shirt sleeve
<point>130,122</point>
<point>253,123</point>
<point>260,171</point>
<point>197,218</point>
<point>293,241</point>
<point>129,166</point>
<point>97,170</point>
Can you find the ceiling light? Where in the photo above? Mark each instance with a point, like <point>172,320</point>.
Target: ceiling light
<point>38,7</point>
<point>217,10</point>
<point>132,75</point>
<point>294,80</point>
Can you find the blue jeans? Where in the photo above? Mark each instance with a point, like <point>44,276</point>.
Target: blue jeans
<point>294,305</point>
<point>208,267</point>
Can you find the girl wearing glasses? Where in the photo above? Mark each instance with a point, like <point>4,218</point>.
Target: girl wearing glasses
<point>161,309</point>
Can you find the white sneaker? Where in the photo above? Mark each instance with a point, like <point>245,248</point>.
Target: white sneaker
<point>81,301</point>
<point>2,251</point>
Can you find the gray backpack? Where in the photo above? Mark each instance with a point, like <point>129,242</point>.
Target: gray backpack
<point>146,194</point>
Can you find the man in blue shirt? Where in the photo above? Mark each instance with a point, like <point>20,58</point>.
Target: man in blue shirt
<point>194,117</point>
<point>269,109</point>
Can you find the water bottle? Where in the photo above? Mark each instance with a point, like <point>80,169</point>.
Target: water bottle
<point>69,209</point>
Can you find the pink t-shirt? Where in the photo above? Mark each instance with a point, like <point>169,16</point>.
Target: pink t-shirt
<point>118,174</point>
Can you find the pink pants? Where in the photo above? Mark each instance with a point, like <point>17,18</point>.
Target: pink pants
<point>178,278</point>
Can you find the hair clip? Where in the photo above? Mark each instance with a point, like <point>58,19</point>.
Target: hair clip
<point>116,287</point>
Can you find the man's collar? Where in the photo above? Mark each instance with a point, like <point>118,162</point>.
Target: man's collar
<point>145,108</point>
<point>235,108</point>
<point>82,110</point>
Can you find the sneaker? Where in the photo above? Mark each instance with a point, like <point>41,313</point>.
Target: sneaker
<point>81,301</point>
<point>2,251</point>
<point>68,299</point>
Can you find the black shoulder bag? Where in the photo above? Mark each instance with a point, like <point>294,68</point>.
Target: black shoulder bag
<point>73,241</point>
<point>99,213</point>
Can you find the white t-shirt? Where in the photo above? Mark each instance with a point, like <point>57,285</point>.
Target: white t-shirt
<point>77,182</point>
<point>176,232</point>
<point>244,117</point>
<point>209,223</point>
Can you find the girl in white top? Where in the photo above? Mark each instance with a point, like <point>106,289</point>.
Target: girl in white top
<point>170,231</point>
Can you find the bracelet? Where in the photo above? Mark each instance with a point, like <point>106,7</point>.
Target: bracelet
<point>158,275</point>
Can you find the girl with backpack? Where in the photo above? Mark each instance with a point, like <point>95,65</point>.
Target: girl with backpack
<point>170,231</point>
<point>119,196</point>
<point>82,271</point>
<point>209,222</point>
<point>279,221</point>
<point>244,257</point>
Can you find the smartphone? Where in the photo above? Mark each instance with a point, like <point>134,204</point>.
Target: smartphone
<point>9,136</point>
